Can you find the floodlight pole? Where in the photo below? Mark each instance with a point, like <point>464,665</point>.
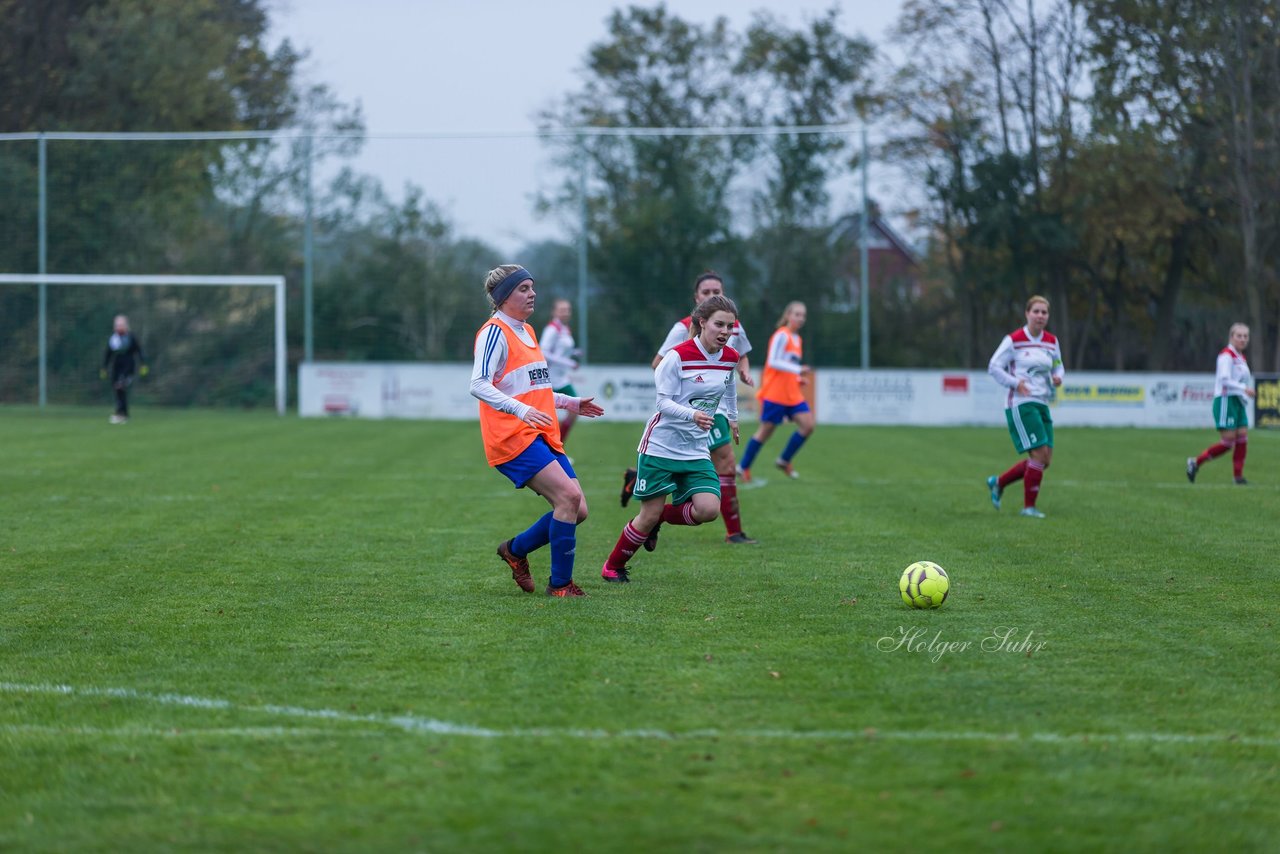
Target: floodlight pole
<point>864,308</point>
<point>308,339</point>
<point>42,265</point>
<point>582,247</point>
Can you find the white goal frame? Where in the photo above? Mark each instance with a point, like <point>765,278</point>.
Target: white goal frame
<point>43,279</point>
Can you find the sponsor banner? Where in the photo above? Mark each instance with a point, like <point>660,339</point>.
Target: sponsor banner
<point>841,396</point>
<point>1267,403</point>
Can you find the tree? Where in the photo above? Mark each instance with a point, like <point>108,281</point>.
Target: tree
<point>658,206</point>
<point>807,77</point>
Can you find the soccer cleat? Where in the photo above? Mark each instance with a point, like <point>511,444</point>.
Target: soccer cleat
<point>616,576</point>
<point>741,539</point>
<point>1032,512</point>
<point>519,567</point>
<point>1192,468</point>
<point>744,474</point>
<point>651,541</point>
<point>1240,481</point>
<point>569,589</point>
<point>628,485</point>
<point>786,468</point>
<point>993,484</point>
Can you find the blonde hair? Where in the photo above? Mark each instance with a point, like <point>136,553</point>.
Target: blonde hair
<point>1234,327</point>
<point>1035,298</point>
<point>782,321</point>
<point>708,307</point>
<point>494,278</point>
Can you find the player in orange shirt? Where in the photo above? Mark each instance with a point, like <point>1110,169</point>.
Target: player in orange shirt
<point>511,379</point>
<point>781,393</point>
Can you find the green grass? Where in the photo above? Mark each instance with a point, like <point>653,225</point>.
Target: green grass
<point>255,621</point>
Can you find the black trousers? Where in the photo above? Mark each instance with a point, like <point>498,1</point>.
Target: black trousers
<point>121,383</point>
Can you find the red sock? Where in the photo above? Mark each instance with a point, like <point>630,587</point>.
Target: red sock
<point>729,504</point>
<point>630,540</point>
<point>1237,458</point>
<point>565,424</point>
<point>1031,483</point>
<point>1015,473</point>
<point>1212,451</point>
<point>679,514</point>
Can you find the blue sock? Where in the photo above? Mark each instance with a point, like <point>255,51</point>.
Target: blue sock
<point>564,540</point>
<point>535,537</point>
<point>749,455</point>
<point>793,445</point>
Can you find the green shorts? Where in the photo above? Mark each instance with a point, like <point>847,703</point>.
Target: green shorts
<point>1229,412</point>
<point>721,435</point>
<point>657,476</point>
<point>1030,426</point>
<point>566,389</point>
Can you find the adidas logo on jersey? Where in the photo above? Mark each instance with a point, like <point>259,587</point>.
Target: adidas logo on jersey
<point>698,379</point>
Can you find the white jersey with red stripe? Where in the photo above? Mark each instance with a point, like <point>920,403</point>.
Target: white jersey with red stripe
<point>690,380</point>
<point>1023,357</point>
<point>558,347</point>
<point>1232,376</point>
<point>682,331</point>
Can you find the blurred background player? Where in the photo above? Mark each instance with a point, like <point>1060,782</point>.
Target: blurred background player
<point>562,357</point>
<point>781,393</point>
<point>707,285</point>
<point>692,381</point>
<point>518,424</point>
<point>122,357</point>
<point>1028,363</point>
<point>1231,392</point>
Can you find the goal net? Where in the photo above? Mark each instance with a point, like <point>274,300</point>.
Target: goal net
<point>209,340</point>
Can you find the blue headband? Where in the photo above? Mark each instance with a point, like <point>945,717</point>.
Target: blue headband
<point>504,288</point>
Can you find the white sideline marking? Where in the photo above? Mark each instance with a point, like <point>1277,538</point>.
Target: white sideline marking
<point>414,724</point>
<point>167,732</point>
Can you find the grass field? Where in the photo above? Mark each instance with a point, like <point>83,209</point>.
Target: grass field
<point>241,632</point>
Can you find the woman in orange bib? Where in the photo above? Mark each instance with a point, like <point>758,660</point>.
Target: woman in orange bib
<point>781,393</point>
<point>518,424</point>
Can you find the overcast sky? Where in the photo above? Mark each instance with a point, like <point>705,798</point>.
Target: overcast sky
<point>423,66</point>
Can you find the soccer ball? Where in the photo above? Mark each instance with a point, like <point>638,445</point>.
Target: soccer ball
<point>924,584</point>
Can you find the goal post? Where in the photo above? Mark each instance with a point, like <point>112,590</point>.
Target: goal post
<point>276,283</point>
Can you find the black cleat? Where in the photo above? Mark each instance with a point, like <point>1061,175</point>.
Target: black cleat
<point>628,485</point>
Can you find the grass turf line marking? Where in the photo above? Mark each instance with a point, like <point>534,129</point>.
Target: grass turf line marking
<point>432,726</point>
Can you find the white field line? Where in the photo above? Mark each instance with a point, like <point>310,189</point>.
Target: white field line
<point>432,726</point>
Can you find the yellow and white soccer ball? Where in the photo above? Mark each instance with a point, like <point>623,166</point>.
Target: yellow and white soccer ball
<point>924,584</point>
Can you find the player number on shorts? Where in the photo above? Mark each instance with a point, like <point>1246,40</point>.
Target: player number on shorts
<point>639,487</point>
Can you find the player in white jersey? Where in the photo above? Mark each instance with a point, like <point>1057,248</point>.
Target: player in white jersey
<point>1231,393</point>
<point>561,353</point>
<point>692,381</point>
<point>1028,363</point>
<point>707,285</point>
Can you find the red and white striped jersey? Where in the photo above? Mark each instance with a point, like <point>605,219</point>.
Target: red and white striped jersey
<point>1232,376</point>
<point>1022,357</point>
<point>690,380</point>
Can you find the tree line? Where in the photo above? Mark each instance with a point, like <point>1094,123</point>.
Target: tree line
<point>1117,156</point>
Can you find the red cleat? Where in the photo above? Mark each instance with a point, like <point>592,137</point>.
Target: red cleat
<point>616,576</point>
<point>519,567</point>
<point>569,589</point>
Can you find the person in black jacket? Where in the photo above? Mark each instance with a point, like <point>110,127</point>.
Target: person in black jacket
<point>121,359</point>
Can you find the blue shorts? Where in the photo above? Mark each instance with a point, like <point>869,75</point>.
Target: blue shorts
<point>774,413</point>
<point>532,460</point>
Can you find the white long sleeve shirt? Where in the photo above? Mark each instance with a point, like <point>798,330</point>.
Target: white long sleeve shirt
<point>690,380</point>
<point>491,362</point>
<point>558,349</point>
<point>1232,377</point>
<point>1022,357</point>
